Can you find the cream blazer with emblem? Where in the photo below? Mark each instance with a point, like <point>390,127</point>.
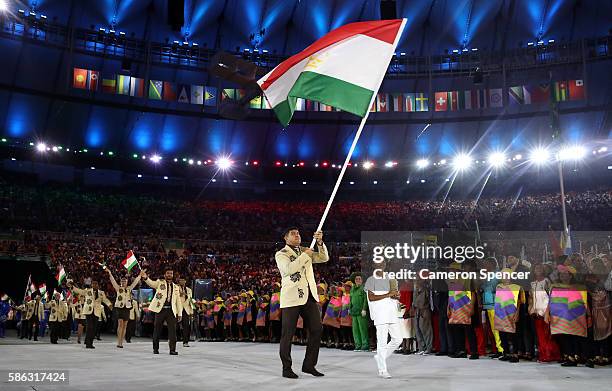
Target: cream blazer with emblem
<point>297,275</point>
<point>91,305</point>
<point>187,301</point>
<point>58,310</point>
<point>28,308</point>
<point>77,308</point>
<point>124,295</point>
<point>161,294</point>
<point>135,310</point>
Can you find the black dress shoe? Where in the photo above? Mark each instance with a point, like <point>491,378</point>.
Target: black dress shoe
<point>90,347</point>
<point>174,353</point>
<point>156,352</point>
<point>459,355</point>
<point>441,354</point>
<point>313,372</point>
<point>474,357</point>
<point>290,374</point>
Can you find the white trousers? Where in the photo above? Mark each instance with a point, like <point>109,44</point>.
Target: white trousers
<point>383,348</point>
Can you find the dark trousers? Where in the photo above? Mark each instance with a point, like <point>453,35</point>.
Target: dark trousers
<point>130,330</point>
<point>446,341</point>
<point>459,332</point>
<point>91,321</point>
<point>35,324</point>
<point>55,331</point>
<point>185,327</point>
<point>167,315</point>
<point>510,342</point>
<point>25,325</point>
<point>312,323</point>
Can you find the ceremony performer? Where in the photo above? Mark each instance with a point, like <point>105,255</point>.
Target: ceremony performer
<point>383,303</point>
<point>123,303</point>
<point>58,314</point>
<point>298,297</point>
<point>187,303</point>
<point>94,298</point>
<point>167,306</point>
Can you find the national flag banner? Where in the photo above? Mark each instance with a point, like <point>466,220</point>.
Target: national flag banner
<point>210,96</point>
<point>421,102</point>
<point>61,275</point>
<point>409,104</point>
<point>560,92</point>
<point>228,94</point>
<point>169,91</point>
<point>398,102</point>
<point>311,105</point>
<point>519,95</point>
<point>240,93</point>
<point>540,93</point>
<point>453,100</point>
<point>123,85</point>
<point>155,89</point>
<point>496,97</point>
<point>382,102</point>
<point>265,104</point>
<point>300,104</point>
<point>324,107</point>
<point>109,86</point>
<point>86,79</point>
<point>441,101</point>
<point>137,87</point>
<point>197,95</point>
<point>479,99</point>
<point>33,287</point>
<point>465,100</point>
<point>576,90</point>
<point>184,93</point>
<point>130,261</point>
<point>42,289</point>
<point>255,103</point>
<point>320,72</point>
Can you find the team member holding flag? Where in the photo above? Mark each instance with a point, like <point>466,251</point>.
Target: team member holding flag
<point>123,302</point>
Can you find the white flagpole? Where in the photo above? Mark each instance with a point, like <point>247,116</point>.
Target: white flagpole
<point>354,143</point>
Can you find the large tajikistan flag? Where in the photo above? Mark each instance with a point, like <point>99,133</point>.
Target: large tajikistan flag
<point>343,69</point>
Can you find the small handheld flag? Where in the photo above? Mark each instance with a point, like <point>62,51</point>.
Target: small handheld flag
<point>61,275</point>
<point>130,261</point>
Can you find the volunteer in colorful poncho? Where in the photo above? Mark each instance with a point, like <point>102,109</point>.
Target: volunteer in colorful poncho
<point>539,297</point>
<point>346,321</point>
<point>601,313</point>
<point>567,315</point>
<point>358,311</point>
<point>275,314</point>
<point>261,321</point>
<point>323,301</point>
<point>331,318</point>
<point>219,312</point>
<point>462,302</point>
<point>508,299</point>
<point>488,304</point>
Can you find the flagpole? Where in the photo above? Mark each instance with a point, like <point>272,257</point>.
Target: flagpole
<point>27,286</point>
<point>355,139</point>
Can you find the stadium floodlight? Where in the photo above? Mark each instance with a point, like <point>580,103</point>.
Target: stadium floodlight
<point>190,161</point>
<point>497,159</point>
<point>367,165</point>
<point>462,161</point>
<point>155,158</point>
<point>572,152</point>
<point>3,5</point>
<point>390,164</point>
<point>422,163</point>
<point>539,155</point>
<point>41,147</point>
<point>224,163</point>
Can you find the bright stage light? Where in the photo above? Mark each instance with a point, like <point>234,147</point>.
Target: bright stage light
<point>367,165</point>
<point>190,161</point>
<point>224,163</point>
<point>573,152</point>
<point>497,159</point>
<point>390,164</point>
<point>54,149</point>
<point>422,163</point>
<point>155,159</point>
<point>539,155</point>
<point>462,161</point>
<point>41,147</point>
<point>3,5</point>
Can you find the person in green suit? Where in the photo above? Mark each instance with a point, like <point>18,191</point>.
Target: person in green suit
<point>358,311</point>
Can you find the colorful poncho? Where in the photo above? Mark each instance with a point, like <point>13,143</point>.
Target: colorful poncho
<point>260,321</point>
<point>568,310</point>
<point>345,317</point>
<point>332,313</point>
<point>460,307</point>
<point>506,306</point>
<point>275,306</point>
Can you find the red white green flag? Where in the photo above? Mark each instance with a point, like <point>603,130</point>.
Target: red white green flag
<point>343,69</point>
<point>61,275</point>
<point>42,289</point>
<point>130,261</point>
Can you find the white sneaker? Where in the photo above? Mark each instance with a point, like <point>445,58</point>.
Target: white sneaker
<point>379,364</point>
<point>385,375</point>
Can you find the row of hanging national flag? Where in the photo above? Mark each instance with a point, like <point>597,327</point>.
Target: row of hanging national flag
<point>384,102</point>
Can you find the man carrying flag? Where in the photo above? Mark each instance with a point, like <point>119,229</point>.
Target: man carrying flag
<point>343,69</point>
<point>94,298</point>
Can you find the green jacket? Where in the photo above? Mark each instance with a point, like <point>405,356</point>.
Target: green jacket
<point>359,301</point>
